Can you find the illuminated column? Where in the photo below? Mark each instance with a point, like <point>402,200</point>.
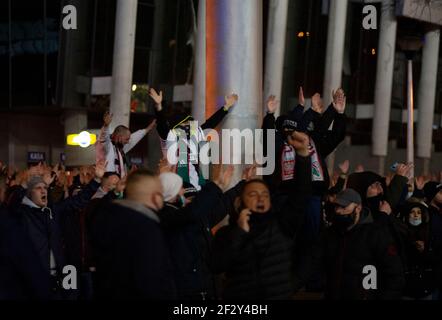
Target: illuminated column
<point>275,49</point>
<point>384,82</point>
<point>427,94</point>
<point>335,47</point>
<point>234,61</point>
<point>334,57</point>
<point>199,80</point>
<point>123,60</point>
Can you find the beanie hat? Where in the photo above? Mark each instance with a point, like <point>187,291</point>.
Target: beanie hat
<point>172,184</point>
<point>32,183</point>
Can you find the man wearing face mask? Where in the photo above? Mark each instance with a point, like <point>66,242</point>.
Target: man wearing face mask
<point>433,195</point>
<point>187,223</point>
<point>350,244</point>
<point>373,189</point>
<point>131,255</point>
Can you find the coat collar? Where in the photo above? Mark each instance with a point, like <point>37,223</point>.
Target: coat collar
<point>139,208</point>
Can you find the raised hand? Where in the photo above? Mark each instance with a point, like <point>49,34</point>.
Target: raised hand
<point>339,100</point>
<point>157,97</point>
<point>317,103</point>
<point>224,177</point>
<point>243,219</point>
<point>100,169</point>
<point>404,169</point>
<point>249,173</point>
<point>165,166</point>
<point>107,119</point>
<point>272,104</point>
<point>420,182</point>
<point>231,100</point>
<point>385,207</point>
<point>344,167</point>
<point>301,98</point>
<point>301,142</point>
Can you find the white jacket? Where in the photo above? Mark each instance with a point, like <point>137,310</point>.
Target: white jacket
<point>111,153</point>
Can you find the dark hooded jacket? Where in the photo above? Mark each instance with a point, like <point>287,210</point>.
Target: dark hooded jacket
<point>35,232</point>
<point>313,124</point>
<point>343,256</point>
<point>418,269</point>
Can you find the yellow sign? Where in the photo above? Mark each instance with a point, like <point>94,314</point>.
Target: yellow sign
<point>83,139</point>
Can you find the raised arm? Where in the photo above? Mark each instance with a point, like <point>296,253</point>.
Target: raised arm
<point>163,126</point>
<point>216,119</point>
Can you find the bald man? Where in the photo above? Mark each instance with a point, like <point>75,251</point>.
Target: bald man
<point>132,260</point>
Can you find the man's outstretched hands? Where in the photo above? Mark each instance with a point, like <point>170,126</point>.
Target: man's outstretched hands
<point>231,100</point>
<point>339,100</point>
<point>157,97</point>
<point>107,118</point>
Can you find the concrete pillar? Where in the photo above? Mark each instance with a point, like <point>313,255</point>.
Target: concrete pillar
<point>335,47</point>
<point>123,58</point>
<point>384,80</point>
<point>427,94</point>
<point>234,62</point>
<point>334,57</point>
<point>199,76</point>
<point>275,49</point>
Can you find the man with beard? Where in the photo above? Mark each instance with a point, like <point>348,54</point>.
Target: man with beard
<point>433,195</point>
<point>114,147</point>
<point>348,247</point>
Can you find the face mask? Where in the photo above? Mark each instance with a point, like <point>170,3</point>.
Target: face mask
<point>374,202</point>
<point>343,222</point>
<point>259,220</point>
<point>415,222</point>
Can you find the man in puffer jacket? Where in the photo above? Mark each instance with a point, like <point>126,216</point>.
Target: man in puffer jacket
<point>255,250</point>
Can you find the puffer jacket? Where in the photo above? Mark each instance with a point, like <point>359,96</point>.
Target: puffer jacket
<point>258,264</point>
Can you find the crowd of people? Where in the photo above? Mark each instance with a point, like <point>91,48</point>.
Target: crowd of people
<point>131,233</point>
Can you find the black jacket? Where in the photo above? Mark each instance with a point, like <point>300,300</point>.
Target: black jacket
<point>131,254</point>
<point>326,142</point>
<point>258,264</point>
<point>189,235</point>
<point>36,231</point>
<point>342,256</point>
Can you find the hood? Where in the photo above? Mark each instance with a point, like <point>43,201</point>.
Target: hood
<point>406,208</point>
<point>360,182</point>
<point>28,202</point>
